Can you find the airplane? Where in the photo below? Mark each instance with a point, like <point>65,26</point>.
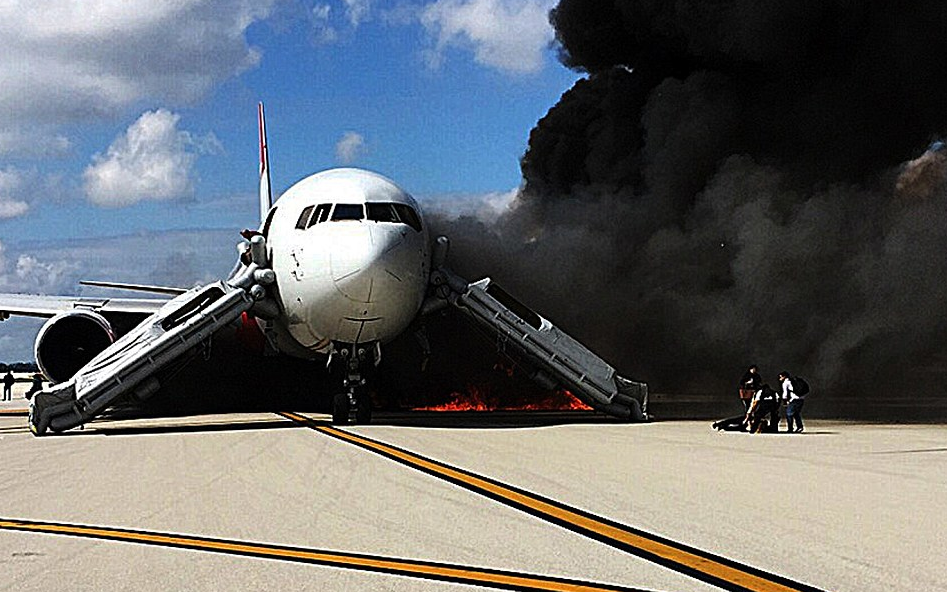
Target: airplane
<point>341,264</point>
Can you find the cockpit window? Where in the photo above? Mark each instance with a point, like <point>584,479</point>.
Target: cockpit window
<point>320,215</point>
<point>408,216</point>
<point>304,217</point>
<point>348,212</point>
<point>393,212</point>
<point>382,212</point>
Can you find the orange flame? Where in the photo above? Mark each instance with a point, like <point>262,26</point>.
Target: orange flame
<point>478,399</point>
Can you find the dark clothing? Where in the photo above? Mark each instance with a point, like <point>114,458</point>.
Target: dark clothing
<point>36,387</point>
<point>794,411</point>
<point>8,381</point>
<point>751,381</point>
<point>774,419</point>
<point>749,384</point>
<point>766,410</point>
<point>737,423</point>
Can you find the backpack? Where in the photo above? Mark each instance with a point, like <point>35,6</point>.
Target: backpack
<point>800,386</point>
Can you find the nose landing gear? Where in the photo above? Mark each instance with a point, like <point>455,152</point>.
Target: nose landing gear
<point>354,405</point>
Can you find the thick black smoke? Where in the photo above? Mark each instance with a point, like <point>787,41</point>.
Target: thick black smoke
<point>740,181</point>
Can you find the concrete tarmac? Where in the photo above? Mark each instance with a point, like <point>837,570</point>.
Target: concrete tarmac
<point>840,507</point>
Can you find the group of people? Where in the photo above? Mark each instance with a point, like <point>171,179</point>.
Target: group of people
<point>8,381</point>
<point>761,404</point>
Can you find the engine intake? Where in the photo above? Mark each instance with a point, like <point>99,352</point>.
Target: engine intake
<point>69,340</point>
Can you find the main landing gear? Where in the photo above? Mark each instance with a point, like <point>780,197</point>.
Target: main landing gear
<point>355,404</point>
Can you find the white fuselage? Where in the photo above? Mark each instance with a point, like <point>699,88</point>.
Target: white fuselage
<point>352,259</point>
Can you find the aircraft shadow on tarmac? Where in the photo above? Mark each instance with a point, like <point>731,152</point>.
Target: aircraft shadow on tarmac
<point>103,428</point>
<point>109,426</point>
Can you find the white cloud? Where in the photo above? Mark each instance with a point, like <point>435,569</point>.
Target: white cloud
<point>509,35</point>
<point>152,160</point>
<point>320,18</point>
<point>349,147</point>
<point>176,258</point>
<point>11,185</point>
<point>64,60</point>
<point>326,25</point>
<point>38,141</point>
<point>28,274</point>
<point>10,208</point>
<point>357,11</point>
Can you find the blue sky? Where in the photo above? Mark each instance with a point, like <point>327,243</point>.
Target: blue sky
<point>122,123</point>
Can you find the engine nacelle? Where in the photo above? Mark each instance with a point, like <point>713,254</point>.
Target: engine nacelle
<point>69,340</point>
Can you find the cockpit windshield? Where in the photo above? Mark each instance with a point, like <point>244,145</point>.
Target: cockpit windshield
<point>382,212</point>
<point>321,214</point>
<point>375,211</point>
<point>393,212</point>
<point>348,212</point>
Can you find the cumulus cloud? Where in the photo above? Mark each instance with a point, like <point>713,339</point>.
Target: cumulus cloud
<point>64,61</point>
<point>509,35</point>
<point>349,147</point>
<point>152,160</point>
<point>25,273</point>
<point>12,208</point>
<point>11,183</point>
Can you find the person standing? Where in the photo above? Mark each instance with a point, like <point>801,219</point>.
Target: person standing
<point>749,384</point>
<point>8,381</point>
<point>794,401</point>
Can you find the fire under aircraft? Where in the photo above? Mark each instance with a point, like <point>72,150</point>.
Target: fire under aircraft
<point>341,264</point>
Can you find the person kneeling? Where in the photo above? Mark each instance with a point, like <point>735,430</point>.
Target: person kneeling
<point>763,415</point>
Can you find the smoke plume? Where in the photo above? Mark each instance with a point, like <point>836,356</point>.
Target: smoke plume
<point>739,181</point>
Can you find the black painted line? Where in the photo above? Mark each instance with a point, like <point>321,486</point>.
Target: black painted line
<point>446,572</point>
<point>702,565</point>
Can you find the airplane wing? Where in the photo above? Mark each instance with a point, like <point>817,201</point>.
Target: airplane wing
<point>33,305</point>
<point>138,362</point>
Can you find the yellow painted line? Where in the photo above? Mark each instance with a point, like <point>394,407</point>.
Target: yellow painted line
<point>707,567</point>
<point>396,566</point>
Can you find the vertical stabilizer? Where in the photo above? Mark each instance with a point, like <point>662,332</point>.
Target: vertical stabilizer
<point>266,196</point>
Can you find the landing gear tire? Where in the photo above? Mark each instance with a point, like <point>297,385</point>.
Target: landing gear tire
<point>340,409</point>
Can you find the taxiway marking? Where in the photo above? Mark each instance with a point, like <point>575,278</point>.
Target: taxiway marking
<point>405,567</point>
<point>704,566</point>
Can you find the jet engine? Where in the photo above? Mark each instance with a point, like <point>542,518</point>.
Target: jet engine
<point>69,340</point>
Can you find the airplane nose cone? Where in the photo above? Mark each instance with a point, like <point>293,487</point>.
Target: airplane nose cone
<point>364,262</point>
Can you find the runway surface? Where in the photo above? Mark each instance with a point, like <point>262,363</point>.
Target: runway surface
<point>431,501</point>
